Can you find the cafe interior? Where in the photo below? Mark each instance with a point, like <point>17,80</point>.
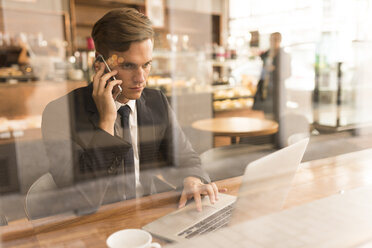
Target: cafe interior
<point>246,79</point>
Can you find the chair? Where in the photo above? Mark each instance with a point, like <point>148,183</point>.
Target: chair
<point>292,127</point>
<point>35,209</point>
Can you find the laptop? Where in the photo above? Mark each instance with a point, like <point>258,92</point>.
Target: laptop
<point>264,189</point>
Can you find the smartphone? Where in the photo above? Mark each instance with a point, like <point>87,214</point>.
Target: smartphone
<point>101,59</point>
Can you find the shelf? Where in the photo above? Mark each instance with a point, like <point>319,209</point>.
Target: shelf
<point>229,62</point>
<point>232,98</point>
<point>113,3</point>
<point>232,104</point>
<point>16,79</point>
<point>231,109</point>
<point>167,54</point>
<point>232,93</point>
<point>222,83</point>
<point>332,129</point>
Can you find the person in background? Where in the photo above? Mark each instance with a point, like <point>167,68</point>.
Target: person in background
<point>270,87</point>
<point>270,96</point>
<point>127,135</point>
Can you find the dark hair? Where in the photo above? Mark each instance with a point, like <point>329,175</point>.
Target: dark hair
<point>118,28</point>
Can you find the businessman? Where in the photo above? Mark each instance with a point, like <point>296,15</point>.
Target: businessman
<point>117,128</point>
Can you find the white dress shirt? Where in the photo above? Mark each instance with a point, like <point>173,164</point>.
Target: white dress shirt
<point>133,127</point>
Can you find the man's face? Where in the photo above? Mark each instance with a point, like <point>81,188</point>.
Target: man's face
<point>133,68</point>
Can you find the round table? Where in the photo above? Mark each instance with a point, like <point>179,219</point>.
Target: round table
<point>237,126</point>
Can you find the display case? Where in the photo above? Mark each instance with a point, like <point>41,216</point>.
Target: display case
<point>226,98</point>
<point>234,83</point>
<point>342,90</point>
<point>191,72</point>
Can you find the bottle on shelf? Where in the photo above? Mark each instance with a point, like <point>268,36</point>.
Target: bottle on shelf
<point>90,58</point>
<point>221,54</point>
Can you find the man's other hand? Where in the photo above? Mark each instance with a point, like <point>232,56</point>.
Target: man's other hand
<point>194,187</point>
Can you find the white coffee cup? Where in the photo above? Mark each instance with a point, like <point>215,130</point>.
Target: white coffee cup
<point>131,238</point>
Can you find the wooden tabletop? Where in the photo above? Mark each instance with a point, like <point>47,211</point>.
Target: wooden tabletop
<point>237,126</point>
<point>313,180</point>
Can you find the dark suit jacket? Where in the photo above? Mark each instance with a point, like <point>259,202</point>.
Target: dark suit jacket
<point>79,150</point>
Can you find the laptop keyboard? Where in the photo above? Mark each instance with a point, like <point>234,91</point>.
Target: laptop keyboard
<point>212,223</point>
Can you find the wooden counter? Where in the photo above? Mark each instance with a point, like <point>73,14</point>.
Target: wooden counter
<point>314,180</point>
<point>30,98</point>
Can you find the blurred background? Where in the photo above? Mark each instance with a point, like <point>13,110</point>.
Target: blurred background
<point>208,60</point>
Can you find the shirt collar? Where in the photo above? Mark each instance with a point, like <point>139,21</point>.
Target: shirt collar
<point>130,103</point>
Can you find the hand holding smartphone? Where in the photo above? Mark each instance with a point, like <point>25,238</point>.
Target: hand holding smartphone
<point>101,59</point>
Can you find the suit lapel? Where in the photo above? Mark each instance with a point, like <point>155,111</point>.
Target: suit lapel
<point>146,131</point>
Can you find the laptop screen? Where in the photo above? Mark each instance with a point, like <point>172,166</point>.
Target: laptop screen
<point>266,183</point>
